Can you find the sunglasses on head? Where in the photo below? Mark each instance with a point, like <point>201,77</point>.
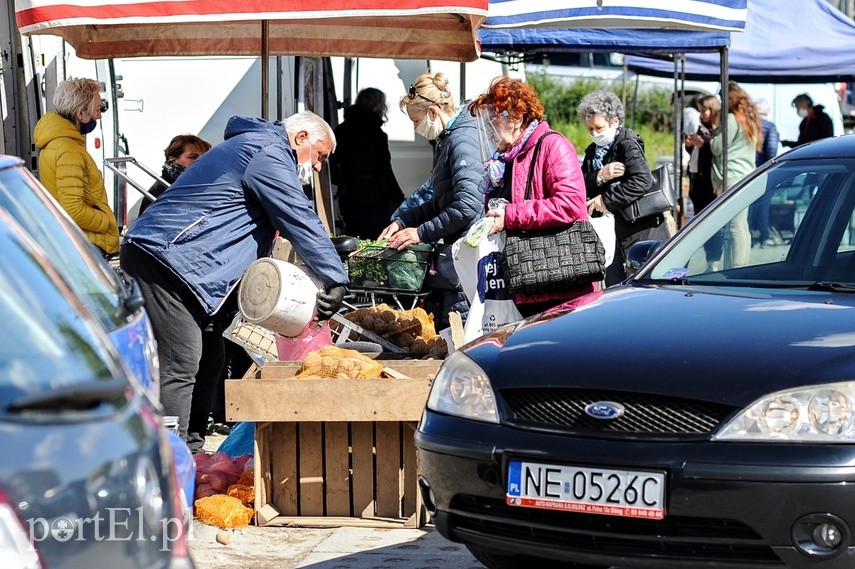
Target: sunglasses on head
<point>412,94</point>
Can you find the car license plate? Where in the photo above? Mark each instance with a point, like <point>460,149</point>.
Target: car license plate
<point>610,492</point>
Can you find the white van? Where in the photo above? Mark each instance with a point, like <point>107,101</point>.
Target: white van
<point>166,96</point>
<point>412,156</point>
<point>783,114</point>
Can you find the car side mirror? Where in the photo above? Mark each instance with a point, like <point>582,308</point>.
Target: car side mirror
<point>133,299</point>
<point>639,253</point>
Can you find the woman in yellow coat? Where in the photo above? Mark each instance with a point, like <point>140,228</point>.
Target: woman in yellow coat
<point>65,167</point>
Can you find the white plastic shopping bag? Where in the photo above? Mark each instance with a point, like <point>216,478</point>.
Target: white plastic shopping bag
<point>479,269</point>
<point>604,225</point>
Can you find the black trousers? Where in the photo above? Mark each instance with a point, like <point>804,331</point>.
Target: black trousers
<point>628,234</point>
<point>189,344</point>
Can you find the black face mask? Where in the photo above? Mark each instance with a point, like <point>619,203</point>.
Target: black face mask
<point>171,170</point>
<point>88,127</point>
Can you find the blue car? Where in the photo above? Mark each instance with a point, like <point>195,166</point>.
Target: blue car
<point>115,301</point>
<point>113,298</point>
<point>702,414</point>
<point>87,477</point>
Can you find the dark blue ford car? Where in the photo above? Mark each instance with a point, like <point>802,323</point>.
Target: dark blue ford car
<point>700,415</point>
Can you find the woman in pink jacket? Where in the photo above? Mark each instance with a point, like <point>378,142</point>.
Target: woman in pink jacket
<point>557,185</point>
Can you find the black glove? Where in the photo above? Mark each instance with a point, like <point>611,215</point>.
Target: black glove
<point>330,301</point>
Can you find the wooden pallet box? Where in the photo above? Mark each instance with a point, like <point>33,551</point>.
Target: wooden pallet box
<point>332,452</point>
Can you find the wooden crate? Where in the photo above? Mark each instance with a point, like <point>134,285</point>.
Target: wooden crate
<point>332,452</point>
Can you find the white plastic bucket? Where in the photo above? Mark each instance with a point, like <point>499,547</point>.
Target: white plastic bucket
<point>278,295</point>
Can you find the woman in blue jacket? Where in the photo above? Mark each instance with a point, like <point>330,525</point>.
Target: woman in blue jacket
<point>457,176</point>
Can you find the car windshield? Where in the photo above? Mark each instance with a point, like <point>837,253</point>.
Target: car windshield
<point>32,208</point>
<point>48,342</point>
<point>811,239</point>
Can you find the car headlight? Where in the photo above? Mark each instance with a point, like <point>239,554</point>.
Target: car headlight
<point>820,413</point>
<point>462,388</point>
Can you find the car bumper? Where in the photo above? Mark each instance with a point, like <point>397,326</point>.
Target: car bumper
<point>722,509</point>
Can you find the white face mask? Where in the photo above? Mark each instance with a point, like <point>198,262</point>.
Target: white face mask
<point>606,137</point>
<point>428,128</point>
<point>802,113</point>
<point>305,169</point>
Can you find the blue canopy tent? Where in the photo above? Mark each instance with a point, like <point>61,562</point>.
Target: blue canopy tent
<point>785,41</point>
<point>728,15</point>
<point>551,40</point>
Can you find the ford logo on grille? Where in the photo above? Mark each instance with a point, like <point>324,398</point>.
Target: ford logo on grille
<point>604,410</point>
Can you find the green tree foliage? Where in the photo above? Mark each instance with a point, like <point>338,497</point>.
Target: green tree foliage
<point>651,116</point>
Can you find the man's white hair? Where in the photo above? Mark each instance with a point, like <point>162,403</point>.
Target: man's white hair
<point>319,130</point>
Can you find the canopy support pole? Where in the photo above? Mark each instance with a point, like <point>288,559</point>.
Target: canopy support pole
<point>265,68</point>
<point>679,99</point>
<point>725,105</point>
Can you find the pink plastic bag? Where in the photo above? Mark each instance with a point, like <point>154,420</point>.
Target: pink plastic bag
<point>314,336</point>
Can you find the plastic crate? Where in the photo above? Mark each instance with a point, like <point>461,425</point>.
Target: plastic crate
<point>384,268</point>
<point>259,342</point>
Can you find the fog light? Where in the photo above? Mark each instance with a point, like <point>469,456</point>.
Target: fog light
<point>827,535</point>
<point>821,535</point>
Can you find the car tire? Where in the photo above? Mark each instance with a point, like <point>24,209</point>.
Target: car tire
<point>492,560</point>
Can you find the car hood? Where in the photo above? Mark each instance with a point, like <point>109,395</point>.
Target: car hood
<point>728,345</point>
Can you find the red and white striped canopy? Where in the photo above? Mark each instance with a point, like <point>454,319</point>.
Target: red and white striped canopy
<point>407,29</point>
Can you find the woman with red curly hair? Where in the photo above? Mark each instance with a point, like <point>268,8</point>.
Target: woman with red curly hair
<point>516,125</point>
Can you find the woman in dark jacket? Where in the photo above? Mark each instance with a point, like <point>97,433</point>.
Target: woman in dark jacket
<point>182,151</point>
<point>616,174</point>
<point>361,167</point>
<point>458,173</point>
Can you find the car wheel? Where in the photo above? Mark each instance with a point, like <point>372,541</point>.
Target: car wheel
<point>492,560</point>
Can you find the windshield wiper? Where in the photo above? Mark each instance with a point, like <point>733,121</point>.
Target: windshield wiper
<point>78,397</point>
<point>833,287</point>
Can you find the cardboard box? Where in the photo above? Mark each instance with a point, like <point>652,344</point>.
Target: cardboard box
<point>332,452</point>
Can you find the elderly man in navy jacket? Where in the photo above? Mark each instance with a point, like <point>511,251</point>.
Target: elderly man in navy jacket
<point>191,247</point>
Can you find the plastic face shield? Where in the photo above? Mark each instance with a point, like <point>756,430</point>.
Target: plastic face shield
<point>490,128</point>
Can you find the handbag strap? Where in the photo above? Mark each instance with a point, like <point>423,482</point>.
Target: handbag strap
<point>533,161</point>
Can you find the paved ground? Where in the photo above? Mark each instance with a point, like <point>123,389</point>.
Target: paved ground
<point>340,548</point>
<point>310,548</point>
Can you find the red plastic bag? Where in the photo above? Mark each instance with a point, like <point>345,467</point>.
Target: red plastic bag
<point>314,336</point>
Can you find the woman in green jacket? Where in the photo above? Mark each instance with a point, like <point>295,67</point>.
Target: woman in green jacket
<point>65,167</point>
<point>745,136</point>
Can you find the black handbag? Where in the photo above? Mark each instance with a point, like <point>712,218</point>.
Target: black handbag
<point>658,199</point>
<point>554,259</point>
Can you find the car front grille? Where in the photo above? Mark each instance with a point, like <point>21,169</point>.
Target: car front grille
<point>675,537</point>
<point>644,415</point>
